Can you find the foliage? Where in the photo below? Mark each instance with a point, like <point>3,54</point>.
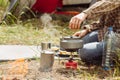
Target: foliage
<point>3,3</point>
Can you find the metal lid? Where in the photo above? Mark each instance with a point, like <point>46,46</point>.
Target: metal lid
<point>47,52</point>
<point>71,38</point>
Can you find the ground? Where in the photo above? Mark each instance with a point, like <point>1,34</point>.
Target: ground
<point>59,72</point>
<point>30,32</point>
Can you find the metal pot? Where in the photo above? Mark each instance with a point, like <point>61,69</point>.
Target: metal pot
<point>46,60</point>
<point>71,43</point>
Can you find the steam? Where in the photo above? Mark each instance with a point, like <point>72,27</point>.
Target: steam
<point>46,20</point>
<point>48,26</point>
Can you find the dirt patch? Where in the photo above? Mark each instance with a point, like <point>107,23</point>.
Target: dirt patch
<point>59,72</point>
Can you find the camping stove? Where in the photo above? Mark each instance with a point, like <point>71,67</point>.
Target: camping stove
<point>71,44</point>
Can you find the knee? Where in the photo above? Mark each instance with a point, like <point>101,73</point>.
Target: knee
<point>91,53</point>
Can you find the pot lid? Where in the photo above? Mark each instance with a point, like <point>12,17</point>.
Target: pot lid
<point>71,38</point>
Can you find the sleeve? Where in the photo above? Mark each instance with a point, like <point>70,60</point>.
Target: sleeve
<point>101,7</point>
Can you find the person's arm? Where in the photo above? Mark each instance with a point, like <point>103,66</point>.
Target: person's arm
<point>96,10</point>
<point>101,7</point>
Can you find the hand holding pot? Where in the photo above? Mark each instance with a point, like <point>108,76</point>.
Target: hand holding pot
<point>81,33</point>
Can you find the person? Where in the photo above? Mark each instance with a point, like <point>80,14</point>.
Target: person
<point>20,9</point>
<point>107,12</point>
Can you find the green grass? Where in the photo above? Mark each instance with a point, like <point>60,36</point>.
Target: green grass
<point>31,33</point>
<point>3,3</point>
<point>28,33</point>
<point>3,6</point>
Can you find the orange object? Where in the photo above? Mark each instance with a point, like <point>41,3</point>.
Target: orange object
<point>67,12</point>
<point>18,67</point>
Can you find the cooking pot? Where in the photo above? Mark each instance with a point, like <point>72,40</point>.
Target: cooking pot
<point>71,43</point>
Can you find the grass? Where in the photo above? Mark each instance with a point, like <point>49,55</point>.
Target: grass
<point>26,34</point>
<point>3,3</point>
<point>31,32</point>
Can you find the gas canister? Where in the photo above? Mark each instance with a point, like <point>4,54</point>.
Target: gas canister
<point>71,64</point>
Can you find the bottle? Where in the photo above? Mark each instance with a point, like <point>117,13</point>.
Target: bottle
<point>108,48</point>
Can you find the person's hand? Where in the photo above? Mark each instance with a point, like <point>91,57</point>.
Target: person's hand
<point>76,21</point>
<point>81,33</point>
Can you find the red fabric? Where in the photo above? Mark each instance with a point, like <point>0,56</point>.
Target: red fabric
<point>60,3</point>
<point>46,6</point>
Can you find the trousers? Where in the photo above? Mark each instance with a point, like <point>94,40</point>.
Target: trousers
<point>91,53</point>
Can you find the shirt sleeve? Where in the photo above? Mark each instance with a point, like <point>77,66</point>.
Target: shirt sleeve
<point>101,7</point>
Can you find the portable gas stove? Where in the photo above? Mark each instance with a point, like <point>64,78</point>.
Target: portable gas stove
<point>71,44</point>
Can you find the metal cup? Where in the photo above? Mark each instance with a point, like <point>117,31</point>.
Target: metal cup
<point>45,45</point>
